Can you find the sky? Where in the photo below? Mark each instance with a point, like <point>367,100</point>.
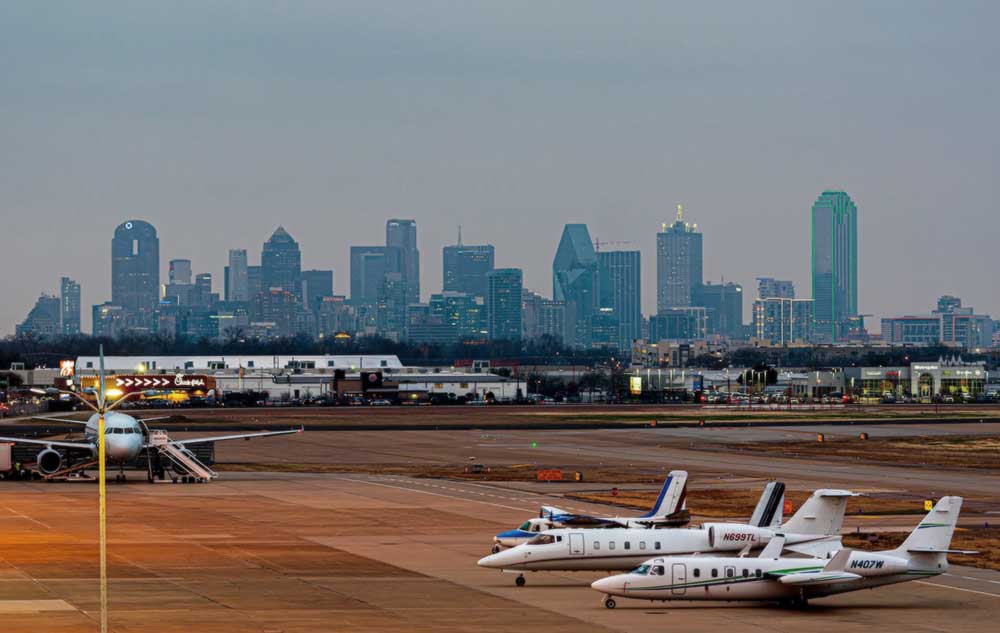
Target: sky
<point>217,121</point>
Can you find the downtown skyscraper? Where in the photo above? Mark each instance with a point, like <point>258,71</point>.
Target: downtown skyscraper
<point>69,299</point>
<point>401,237</point>
<point>678,263</point>
<point>135,271</point>
<point>281,263</point>
<point>503,304</point>
<point>465,267</point>
<point>834,266</point>
<point>574,282</point>
<point>237,286</point>
<point>619,290</point>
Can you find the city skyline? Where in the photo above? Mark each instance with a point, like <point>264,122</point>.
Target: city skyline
<point>216,147</point>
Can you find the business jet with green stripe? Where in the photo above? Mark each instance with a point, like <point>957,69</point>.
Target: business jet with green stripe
<point>814,530</point>
<point>769,577</point>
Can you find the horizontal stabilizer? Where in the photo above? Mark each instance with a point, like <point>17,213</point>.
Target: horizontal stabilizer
<point>820,548</point>
<point>547,512</point>
<point>773,548</point>
<point>931,550</point>
<point>818,578</point>
<point>839,561</point>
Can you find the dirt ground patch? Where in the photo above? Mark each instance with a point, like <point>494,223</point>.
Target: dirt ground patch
<point>957,451</point>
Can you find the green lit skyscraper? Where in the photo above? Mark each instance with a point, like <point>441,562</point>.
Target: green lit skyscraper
<point>834,265</point>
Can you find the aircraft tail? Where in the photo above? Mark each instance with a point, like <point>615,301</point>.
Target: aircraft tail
<point>822,513</point>
<point>768,512</point>
<point>932,536</point>
<point>671,498</point>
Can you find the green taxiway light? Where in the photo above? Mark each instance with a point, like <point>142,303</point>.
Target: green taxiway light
<point>534,445</point>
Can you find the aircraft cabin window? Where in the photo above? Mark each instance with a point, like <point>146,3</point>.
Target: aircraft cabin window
<point>559,538</point>
<point>729,572</point>
<point>715,573</point>
<point>657,545</point>
<point>746,573</point>
<point>658,570</point>
<point>611,545</point>
<point>642,544</point>
<point>597,545</point>
<point>697,573</point>
<point>628,545</point>
<point>758,573</point>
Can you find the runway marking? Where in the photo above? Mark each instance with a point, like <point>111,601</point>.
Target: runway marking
<point>25,516</point>
<point>995,582</point>
<point>934,584</point>
<point>436,494</point>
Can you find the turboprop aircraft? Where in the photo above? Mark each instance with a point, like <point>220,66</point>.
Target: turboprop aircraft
<point>668,511</point>
<point>768,577</point>
<point>814,531</point>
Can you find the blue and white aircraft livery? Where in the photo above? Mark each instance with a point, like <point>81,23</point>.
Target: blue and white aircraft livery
<point>813,531</point>
<point>668,511</point>
<point>769,577</point>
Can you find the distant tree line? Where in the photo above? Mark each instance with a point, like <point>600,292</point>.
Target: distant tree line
<point>545,350</point>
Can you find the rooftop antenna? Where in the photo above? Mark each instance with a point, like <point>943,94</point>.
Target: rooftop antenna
<point>459,234</point>
<point>680,212</point>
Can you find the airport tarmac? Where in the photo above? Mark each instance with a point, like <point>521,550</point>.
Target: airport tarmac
<point>267,552</point>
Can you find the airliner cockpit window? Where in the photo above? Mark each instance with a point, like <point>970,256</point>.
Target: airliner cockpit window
<point>542,539</point>
<point>641,570</point>
<point>525,526</point>
<point>657,570</point>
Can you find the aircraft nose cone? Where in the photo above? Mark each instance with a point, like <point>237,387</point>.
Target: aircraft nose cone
<point>610,585</point>
<point>488,561</point>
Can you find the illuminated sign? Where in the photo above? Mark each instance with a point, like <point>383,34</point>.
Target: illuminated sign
<point>67,368</point>
<point>635,385</point>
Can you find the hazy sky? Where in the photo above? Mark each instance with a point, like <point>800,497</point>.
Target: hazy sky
<point>217,121</point>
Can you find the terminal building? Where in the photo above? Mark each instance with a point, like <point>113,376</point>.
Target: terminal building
<point>290,378</point>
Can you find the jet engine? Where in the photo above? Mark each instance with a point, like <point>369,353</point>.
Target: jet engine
<point>724,537</point>
<point>49,461</point>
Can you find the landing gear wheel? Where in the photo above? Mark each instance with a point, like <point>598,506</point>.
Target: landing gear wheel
<point>609,603</point>
<point>495,550</point>
<point>519,581</point>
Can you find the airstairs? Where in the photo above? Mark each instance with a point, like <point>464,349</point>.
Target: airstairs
<point>182,461</point>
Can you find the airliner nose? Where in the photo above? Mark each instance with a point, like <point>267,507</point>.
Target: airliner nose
<point>612,585</point>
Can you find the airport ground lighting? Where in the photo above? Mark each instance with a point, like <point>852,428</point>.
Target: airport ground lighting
<point>101,409</point>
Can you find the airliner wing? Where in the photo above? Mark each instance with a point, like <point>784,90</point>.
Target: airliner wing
<point>20,440</point>
<point>223,438</point>
<point>66,420</point>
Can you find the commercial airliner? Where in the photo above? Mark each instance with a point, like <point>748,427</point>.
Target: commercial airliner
<point>813,531</point>
<point>125,439</point>
<point>668,511</point>
<point>768,577</point>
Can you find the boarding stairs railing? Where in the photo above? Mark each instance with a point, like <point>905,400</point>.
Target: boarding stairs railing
<point>180,457</point>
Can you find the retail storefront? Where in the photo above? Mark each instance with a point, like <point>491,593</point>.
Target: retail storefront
<point>953,378</point>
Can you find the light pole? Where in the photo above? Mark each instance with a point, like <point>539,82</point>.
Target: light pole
<point>101,410</point>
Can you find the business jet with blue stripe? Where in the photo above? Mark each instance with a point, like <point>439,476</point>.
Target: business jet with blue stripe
<point>814,530</point>
<point>668,511</point>
<point>771,578</point>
